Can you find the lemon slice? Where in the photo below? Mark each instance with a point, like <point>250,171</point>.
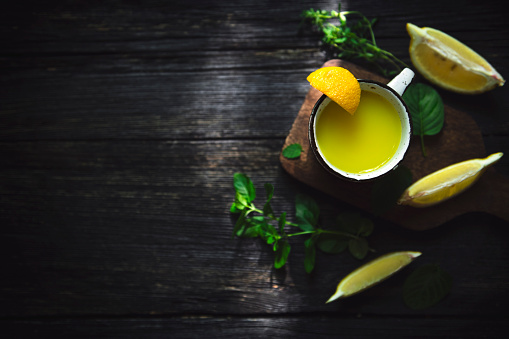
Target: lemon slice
<point>339,85</point>
<point>450,64</point>
<point>447,182</point>
<point>372,273</point>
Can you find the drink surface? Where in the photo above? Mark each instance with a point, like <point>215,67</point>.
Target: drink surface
<point>362,142</point>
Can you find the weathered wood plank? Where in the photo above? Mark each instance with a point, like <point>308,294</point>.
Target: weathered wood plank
<point>116,27</point>
<point>142,227</point>
<point>306,326</point>
<point>115,190</point>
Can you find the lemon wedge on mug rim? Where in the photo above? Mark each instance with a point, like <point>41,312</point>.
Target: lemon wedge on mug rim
<point>373,273</point>
<point>339,84</point>
<point>450,64</point>
<point>446,183</point>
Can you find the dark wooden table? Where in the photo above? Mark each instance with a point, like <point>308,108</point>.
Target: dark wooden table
<point>121,126</point>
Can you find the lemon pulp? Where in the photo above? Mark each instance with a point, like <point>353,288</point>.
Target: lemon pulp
<point>373,272</point>
<point>449,63</point>
<point>446,183</point>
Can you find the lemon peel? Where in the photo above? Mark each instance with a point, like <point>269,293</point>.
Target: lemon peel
<point>446,183</point>
<point>339,84</point>
<point>450,64</point>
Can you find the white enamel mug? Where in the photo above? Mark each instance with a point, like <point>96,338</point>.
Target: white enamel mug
<point>392,92</point>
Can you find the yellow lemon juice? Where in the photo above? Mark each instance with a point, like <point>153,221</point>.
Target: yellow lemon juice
<point>362,142</point>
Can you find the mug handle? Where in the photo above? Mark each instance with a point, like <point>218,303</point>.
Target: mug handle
<point>401,81</point>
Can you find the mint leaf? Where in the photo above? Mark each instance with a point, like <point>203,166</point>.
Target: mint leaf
<point>269,192</point>
<point>309,254</point>
<point>292,151</point>
<point>354,224</point>
<point>387,189</point>
<point>332,243</point>
<point>282,249</point>
<point>268,233</point>
<point>254,226</point>
<point>426,286</point>
<point>358,247</point>
<point>307,212</point>
<point>281,222</point>
<point>426,110</point>
<point>244,188</point>
<point>240,224</point>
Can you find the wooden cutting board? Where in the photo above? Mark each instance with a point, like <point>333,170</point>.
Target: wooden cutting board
<point>459,140</point>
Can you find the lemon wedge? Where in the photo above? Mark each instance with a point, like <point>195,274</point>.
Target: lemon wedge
<point>339,84</point>
<point>372,273</point>
<point>447,182</point>
<point>450,64</point>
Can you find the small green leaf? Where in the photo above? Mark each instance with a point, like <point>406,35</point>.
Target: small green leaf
<point>267,231</point>
<point>387,189</point>
<point>353,223</point>
<point>234,209</point>
<point>309,254</point>
<point>332,243</point>
<point>252,227</point>
<point>282,222</point>
<point>358,247</point>
<point>292,151</point>
<point>366,227</point>
<point>267,208</point>
<point>282,251</point>
<point>240,202</point>
<point>240,224</point>
<point>244,187</point>
<point>307,212</point>
<point>269,191</point>
<point>426,286</point>
<point>426,110</point>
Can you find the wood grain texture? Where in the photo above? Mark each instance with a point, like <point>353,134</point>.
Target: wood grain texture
<point>121,125</point>
<point>90,233</point>
<point>309,326</point>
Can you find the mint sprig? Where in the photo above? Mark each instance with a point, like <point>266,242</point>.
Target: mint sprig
<point>349,232</point>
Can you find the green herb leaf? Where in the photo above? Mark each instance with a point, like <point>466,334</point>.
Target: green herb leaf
<point>269,191</point>
<point>332,243</point>
<point>292,151</point>
<point>282,250</point>
<point>309,254</point>
<point>240,224</point>
<point>282,222</point>
<point>234,209</point>
<point>387,189</point>
<point>354,223</point>
<point>358,247</point>
<point>267,208</point>
<point>254,227</point>
<point>426,286</point>
<point>244,187</point>
<point>268,233</point>
<point>307,212</point>
<point>426,110</point>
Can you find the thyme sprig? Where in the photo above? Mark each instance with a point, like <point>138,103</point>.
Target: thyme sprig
<point>353,39</point>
